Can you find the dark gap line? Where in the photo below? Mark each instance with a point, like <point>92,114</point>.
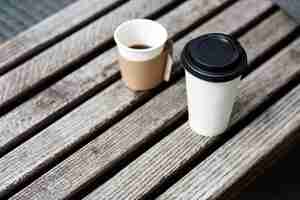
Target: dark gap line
<point>42,47</point>
<point>165,9</point>
<point>50,80</point>
<point>275,49</point>
<point>117,165</point>
<point>62,155</point>
<point>204,19</point>
<point>257,20</point>
<point>86,96</point>
<point>32,131</point>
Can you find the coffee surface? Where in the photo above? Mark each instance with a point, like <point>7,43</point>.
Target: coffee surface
<point>139,46</point>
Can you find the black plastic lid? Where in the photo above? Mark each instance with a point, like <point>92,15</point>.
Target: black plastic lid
<point>214,57</point>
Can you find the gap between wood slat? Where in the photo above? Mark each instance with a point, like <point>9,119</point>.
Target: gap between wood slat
<point>203,151</point>
<point>243,30</point>
<point>76,100</point>
<point>277,120</point>
<point>274,49</point>
<point>187,38</point>
<point>16,55</point>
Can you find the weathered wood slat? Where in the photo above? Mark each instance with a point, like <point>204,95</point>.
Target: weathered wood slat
<point>122,138</point>
<point>71,50</point>
<point>167,157</point>
<point>17,124</point>
<point>252,150</point>
<point>265,36</point>
<point>98,119</point>
<point>49,30</point>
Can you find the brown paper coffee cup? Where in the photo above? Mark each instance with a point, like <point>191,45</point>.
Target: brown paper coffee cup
<point>146,68</point>
<point>145,75</point>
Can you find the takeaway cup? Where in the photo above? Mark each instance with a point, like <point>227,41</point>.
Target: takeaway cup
<point>144,53</point>
<point>214,64</point>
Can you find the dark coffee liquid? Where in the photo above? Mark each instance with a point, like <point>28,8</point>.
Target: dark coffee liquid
<point>140,46</point>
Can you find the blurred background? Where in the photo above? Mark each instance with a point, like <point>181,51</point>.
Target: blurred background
<point>18,15</point>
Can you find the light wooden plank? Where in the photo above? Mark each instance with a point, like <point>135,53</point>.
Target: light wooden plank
<point>166,158</point>
<point>261,143</point>
<point>49,30</point>
<point>17,124</point>
<point>266,34</point>
<point>121,139</point>
<point>73,48</point>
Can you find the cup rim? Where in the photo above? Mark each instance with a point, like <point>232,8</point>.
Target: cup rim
<point>140,20</point>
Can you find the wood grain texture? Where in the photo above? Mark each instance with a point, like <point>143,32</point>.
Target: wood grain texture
<point>249,152</point>
<point>266,34</point>
<point>78,163</point>
<point>18,123</point>
<point>162,161</point>
<point>112,145</point>
<point>45,32</point>
<point>72,49</point>
<point>39,159</point>
<point>221,24</point>
<point>53,141</point>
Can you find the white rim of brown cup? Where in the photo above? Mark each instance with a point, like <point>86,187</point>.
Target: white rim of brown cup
<point>140,50</point>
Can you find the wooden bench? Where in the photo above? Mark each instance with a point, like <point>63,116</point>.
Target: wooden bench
<point>70,129</point>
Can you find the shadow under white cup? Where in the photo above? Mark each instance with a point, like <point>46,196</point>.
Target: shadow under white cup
<point>140,32</point>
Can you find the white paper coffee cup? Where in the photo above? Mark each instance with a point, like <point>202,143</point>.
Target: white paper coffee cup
<point>214,64</point>
<point>143,69</point>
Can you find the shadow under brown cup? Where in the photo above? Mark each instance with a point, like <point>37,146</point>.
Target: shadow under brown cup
<point>144,53</point>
